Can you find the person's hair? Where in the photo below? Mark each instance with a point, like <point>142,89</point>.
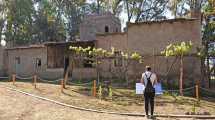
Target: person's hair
<point>148,68</point>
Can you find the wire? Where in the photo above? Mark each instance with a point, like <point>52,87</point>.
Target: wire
<point>50,81</point>
<point>81,84</point>
<point>4,77</point>
<point>24,78</point>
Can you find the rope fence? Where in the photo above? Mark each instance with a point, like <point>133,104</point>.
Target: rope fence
<point>80,84</point>
<point>23,78</point>
<point>49,81</point>
<point>194,91</point>
<point>4,77</point>
<point>207,93</point>
<point>184,90</point>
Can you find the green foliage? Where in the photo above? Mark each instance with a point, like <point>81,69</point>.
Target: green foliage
<point>100,92</point>
<point>102,54</point>
<point>110,94</point>
<point>146,10</point>
<point>194,108</point>
<point>136,56</point>
<point>177,49</point>
<point>19,20</point>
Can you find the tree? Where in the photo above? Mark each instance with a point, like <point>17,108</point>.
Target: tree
<point>48,22</point>
<point>178,50</point>
<point>183,8</point>
<point>19,21</point>
<point>97,55</point>
<point>146,10</point>
<point>208,37</point>
<point>2,17</point>
<point>74,12</point>
<point>101,6</point>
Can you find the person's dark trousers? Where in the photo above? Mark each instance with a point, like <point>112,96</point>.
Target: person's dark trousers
<point>149,99</point>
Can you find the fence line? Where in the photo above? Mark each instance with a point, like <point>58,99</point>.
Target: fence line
<point>81,84</point>
<point>185,89</point>
<point>208,90</point>
<point>24,78</point>
<point>4,77</point>
<point>49,81</point>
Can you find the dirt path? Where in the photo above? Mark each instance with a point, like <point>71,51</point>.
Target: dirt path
<point>16,106</point>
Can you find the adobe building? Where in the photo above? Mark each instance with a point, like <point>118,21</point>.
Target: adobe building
<point>2,72</point>
<point>150,38</point>
<point>146,38</point>
<point>98,24</point>
<point>47,60</point>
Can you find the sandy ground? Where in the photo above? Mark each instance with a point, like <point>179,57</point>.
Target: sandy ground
<point>16,106</point>
<point>124,100</point>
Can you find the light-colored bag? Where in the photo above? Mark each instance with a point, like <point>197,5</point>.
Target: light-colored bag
<point>139,88</point>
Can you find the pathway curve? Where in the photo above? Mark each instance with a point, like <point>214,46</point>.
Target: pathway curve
<point>17,106</point>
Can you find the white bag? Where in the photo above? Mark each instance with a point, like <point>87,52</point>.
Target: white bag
<point>139,88</point>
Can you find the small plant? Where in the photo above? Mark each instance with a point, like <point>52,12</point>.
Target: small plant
<point>110,93</point>
<point>175,95</point>
<point>194,108</point>
<point>100,92</point>
<point>79,81</point>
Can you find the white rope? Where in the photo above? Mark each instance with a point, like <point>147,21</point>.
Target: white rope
<point>81,84</point>
<point>186,89</point>
<point>24,78</point>
<point>4,77</point>
<point>49,81</point>
<point>207,90</point>
<point>190,88</point>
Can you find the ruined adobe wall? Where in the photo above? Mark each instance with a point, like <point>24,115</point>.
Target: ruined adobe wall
<point>27,66</point>
<point>95,24</point>
<point>2,61</point>
<point>150,39</point>
<point>116,40</point>
<point>107,41</point>
<point>27,57</point>
<point>146,37</point>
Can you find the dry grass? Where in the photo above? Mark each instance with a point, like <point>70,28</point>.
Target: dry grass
<point>124,100</point>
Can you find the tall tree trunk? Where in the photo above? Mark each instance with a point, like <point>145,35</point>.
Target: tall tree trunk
<point>181,75</point>
<point>128,12</point>
<point>98,7</point>
<point>203,73</point>
<point>168,69</point>
<point>207,64</point>
<point>97,71</point>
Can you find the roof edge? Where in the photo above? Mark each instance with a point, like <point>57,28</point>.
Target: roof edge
<point>163,21</point>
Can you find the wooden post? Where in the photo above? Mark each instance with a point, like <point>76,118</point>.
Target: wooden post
<point>35,81</point>
<point>14,79</point>
<point>62,85</point>
<point>94,88</point>
<point>65,79</point>
<point>197,92</point>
